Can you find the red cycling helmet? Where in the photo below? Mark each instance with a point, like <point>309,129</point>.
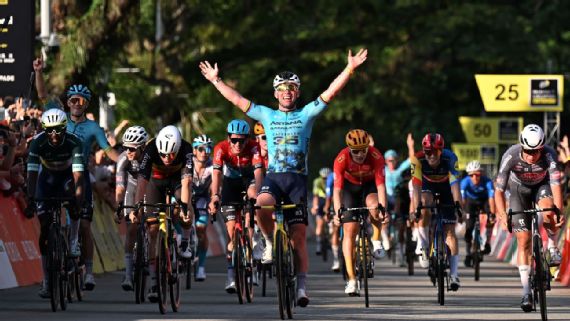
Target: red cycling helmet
<point>433,141</point>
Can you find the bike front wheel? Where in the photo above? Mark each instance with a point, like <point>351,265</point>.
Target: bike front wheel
<point>541,272</point>
<point>162,273</point>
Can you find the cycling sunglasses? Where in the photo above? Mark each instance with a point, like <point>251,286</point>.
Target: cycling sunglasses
<point>203,149</point>
<point>532,152</point>
<point>77,100</point>
<point>237,140</point>
<point>56,130</point>
<point>169,155</point>
<point>287,87</point>
<point>262,137</point>
<point>357,152</point>
<point>132,149</point>
<point>430,152</point>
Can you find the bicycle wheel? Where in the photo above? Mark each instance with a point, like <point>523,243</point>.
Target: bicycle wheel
<point>162,273</point>
<point>280,274</point>
<point>174,276</point>
<point>188,271</point>
<point>249,270</point>
<point>540,271</point>
<point>364,265</point>
<point>139,269</point>
<point>264,270</point>
<point>410,251</point>
<point>440,271</point>
<point>78,281</point>
<point>237,260</point>
<point>63,284</point>
<point>290,300</point>
<point>53,267</point>
<point>476,255</point>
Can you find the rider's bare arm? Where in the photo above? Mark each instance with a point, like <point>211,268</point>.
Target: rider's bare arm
<point>340,81</point>
<point>211,73</point>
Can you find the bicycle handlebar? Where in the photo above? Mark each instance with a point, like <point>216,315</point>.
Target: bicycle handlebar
<point>532,211</point>
<point>455,206</point>
<point>343,210</point>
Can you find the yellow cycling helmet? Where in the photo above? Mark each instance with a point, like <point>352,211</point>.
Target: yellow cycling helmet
<point>258,129</point>
<point>357,139</point>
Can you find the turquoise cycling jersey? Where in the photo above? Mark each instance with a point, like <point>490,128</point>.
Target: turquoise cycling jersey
<point>393,178</point>
<point>288,135</point>
<point>88,131</point>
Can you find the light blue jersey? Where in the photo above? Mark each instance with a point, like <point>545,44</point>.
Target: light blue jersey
<point>288,135</point>
<point>88,131</point>
<point>393,178</point>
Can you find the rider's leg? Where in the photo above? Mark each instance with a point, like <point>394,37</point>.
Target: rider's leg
<point>549,222</point>
<point>350,230</point>
<point>230,225</point>
<point>451,241</point>
<point>523,258</point>
<point>265,220</point>
<point>129,245</point>
<point>298,233</point>
<point>423,224</point>
<point>319,223</point>
<point>334,242</point>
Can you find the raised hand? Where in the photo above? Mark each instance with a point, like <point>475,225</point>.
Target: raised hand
<point>358,59</point>
<point>38,65</point>
<point>209,72</point>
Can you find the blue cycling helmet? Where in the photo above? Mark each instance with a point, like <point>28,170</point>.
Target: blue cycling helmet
<point>80,90</point>
<point>238,127</point>
<point>390,154</point>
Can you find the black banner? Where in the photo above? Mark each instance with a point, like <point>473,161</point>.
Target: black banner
<point>16,46</point>
<point>544,92</point>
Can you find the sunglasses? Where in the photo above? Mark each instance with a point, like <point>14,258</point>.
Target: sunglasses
<point>77,100</point>
<point>55,130</point>
<point>286,87</point>
<point>170,155</point>
<point>132,149</point>
<point>262,137</point>
<point>237,140</point>
<point>532,151</point>
<point>391,160</point>
<point>430,152</point>
<point>203,149</point>
<point>359,151</point>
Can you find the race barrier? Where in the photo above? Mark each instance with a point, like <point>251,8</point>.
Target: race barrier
<point>20,259</point>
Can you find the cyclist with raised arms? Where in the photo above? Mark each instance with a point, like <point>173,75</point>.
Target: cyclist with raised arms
<point>318,206</point>
<point>288,131</point>
<point>434,171</point>
<point>478,195</point>
<point>166,166</point>
<point>529,171</point>
<point>359,181</point>
<point>59,154</point>
<point>201,183</point>
<point>134,140</point>
<point>238,168</point>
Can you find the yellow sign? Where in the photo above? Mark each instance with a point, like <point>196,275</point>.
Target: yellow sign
<point>521,93</point>
<point>3,2</point>
<point>487,154</point>
<point>502,130</point>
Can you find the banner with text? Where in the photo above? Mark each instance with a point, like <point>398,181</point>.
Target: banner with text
<point>521,93</point>
<point>16,46</point>
<point>487,154</point>
<point>502,130</point>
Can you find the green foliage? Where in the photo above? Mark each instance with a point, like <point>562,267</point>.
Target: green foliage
<point>419,75</point>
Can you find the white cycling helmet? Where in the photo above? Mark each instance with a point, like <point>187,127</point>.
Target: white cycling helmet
<point>168,140</point>
<point>324,172</point>
<point>135,136</point>
<point>532,137</point>
<point>53,118</point>
<point>201,140</point>
<point>473,166</point>
<point>285,77</point>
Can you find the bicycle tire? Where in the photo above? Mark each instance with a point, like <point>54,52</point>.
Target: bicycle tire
<point>440,271</point>
<point>71,285</point>
<point>174,276</point>
<point>189,273</point>
<point>63,284</point>
<point>476,255</point>
<point>161,273</point>
<point>237,258</point>
<point>365,255</point>
<point>53,274</point>
<point>78,276</point>
<point>290,273</point>
<point>539,276</point>
<point>279,277</point>
<point>138,262</point>
<point>249,270</point>
<point>264,278</point>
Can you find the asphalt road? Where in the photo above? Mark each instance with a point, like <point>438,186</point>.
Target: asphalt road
<point>394,296</point>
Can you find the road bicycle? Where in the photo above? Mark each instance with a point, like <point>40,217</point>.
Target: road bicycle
<point>476,252</point>
<point>283,262</point>
<point>540,277</point>
<point>364,264</point>
<point>439,251</point>
<point>58,257</point>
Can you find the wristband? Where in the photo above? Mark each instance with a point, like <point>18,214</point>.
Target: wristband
<point>217,80</point>
<point>350,70</point>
